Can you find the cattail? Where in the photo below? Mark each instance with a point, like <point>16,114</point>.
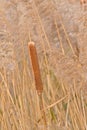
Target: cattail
<point>35,67</point>
<point>37,76</point>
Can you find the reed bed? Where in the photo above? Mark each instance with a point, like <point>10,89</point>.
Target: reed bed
<point>43,99</point>
<point>65,106</point>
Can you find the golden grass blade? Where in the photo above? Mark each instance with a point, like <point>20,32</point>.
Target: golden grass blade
<point>59,37</point>
<point>55,103</point>
<point>41,23</point>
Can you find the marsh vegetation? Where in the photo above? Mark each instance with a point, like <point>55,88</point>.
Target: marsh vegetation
<point>59,30</point>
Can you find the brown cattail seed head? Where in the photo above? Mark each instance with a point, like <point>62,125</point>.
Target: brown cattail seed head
<point>35,67</point>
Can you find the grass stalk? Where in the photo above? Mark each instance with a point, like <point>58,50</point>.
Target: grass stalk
<point>59,37</point>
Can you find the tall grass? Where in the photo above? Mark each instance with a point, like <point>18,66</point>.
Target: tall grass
<point>65,104</point>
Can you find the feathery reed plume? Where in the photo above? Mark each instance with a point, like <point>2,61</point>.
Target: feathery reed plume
<point>37,76</point>
<point>35,67</point>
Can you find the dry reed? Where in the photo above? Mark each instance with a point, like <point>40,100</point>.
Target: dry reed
<point>19,105</point>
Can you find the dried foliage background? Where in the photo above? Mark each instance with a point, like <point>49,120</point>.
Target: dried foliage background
<point>21,20</point>
<point>59,29</point>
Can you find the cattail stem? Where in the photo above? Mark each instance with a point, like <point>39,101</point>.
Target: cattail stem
<point>41,108</point>
<point>37,76</point>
